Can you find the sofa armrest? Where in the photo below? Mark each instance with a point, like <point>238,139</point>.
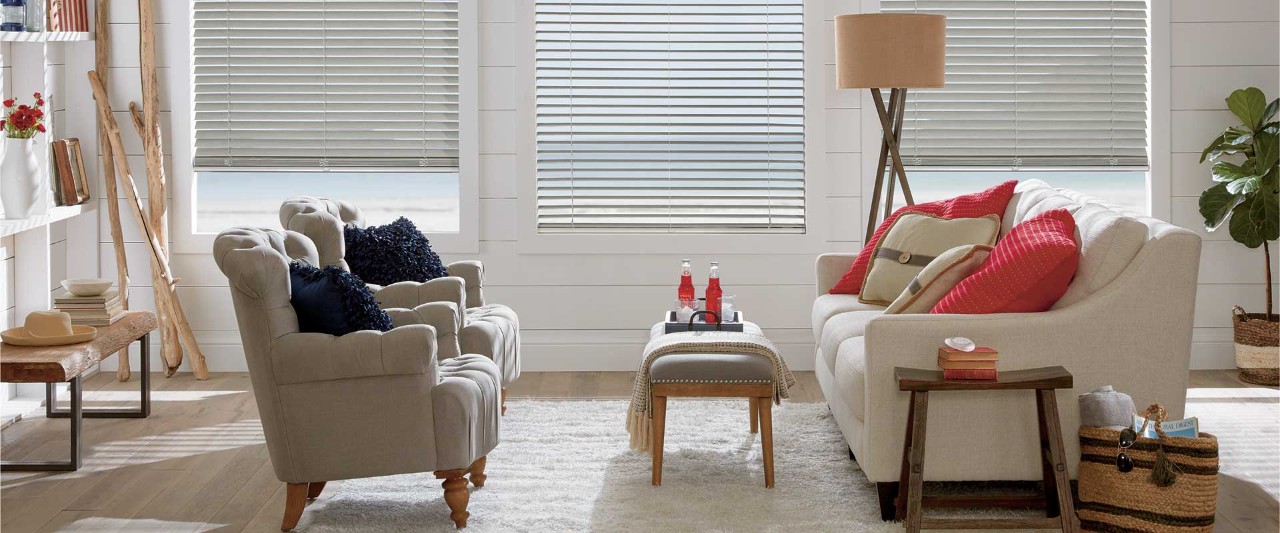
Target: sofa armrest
<point>410,294</point>
<point>444,317</point>
<point>311,357</point>
<point>831,267</point>
<point>472,273</point>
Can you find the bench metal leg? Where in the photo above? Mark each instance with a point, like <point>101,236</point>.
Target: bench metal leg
<point>144,407</point>
<point>77,414</point>
<point>57,466</point>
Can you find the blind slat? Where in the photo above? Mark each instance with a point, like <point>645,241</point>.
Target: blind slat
<point>670,116</point>
<point>1052,83</point>
<point>306,84</point>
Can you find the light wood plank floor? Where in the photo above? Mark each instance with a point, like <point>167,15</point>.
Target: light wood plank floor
<point>199,462</point>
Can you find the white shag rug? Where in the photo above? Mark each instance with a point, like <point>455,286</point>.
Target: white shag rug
<point>566,466</point>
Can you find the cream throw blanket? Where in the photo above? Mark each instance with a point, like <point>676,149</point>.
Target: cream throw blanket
<point>641,411</point>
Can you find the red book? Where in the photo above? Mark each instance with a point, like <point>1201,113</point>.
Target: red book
<point>970,374</point>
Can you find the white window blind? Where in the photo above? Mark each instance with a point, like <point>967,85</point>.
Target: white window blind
<point>325,84</point>
<point>1033,83</point>
<point>669,116</point>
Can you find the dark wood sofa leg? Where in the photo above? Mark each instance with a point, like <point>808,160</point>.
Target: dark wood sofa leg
<point>315,489</point>
<point>887,492</point>
<point>456,495</point>
<point>295,501</point>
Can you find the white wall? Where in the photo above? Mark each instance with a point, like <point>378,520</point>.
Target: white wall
<point>592,311</point>
<point>1216,47</point>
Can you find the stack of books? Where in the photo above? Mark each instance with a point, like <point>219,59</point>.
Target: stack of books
<point>979,364</point>
<point>101,310</point>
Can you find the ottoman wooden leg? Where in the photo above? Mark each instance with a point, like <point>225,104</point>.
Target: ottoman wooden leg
<point>755,415</point>
<point>659,426</point>
<point>766,437</point>
<point>456,495</point>
<point>477,472</point>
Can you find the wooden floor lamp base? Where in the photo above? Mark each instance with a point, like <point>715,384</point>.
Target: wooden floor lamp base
<point>890,156</point>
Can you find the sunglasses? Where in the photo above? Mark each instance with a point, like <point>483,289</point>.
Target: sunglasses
<point>1124,463</point>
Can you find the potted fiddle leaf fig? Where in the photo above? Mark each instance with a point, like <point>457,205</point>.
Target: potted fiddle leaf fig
<point>1246,197</point>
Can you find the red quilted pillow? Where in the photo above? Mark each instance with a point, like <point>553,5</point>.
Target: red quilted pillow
<point>1027,272</point>
<point>989,202</point>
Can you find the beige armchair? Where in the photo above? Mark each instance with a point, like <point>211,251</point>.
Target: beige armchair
<point>488,329</point>
<point>364,404</point>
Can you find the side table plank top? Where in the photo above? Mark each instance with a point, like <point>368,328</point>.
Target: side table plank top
<point>1049,377</point>
<point>55,364</point>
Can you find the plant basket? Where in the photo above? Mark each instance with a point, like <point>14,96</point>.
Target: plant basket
<point>1257,337</point>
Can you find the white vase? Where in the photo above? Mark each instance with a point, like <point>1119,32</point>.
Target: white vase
<point>21,186</point>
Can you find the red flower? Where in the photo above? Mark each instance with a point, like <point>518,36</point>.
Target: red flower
<point>39,114</point>
<point>37,95</point>
<point>40,128</point>
<point>9,103</point>
<point>39,102</point>
<point>2,123</point>
<point>24,106</point>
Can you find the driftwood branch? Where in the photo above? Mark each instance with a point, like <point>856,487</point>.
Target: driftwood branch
<point>102,62</point>
<point>166,297</point>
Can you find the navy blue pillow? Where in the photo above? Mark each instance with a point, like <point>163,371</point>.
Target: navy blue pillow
<point>333,301</point>
<point>383,255</point>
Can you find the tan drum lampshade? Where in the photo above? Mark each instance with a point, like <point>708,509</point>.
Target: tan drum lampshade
<point>890,50</point>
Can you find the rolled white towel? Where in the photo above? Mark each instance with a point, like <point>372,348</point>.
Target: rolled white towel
<point>1106,407</point>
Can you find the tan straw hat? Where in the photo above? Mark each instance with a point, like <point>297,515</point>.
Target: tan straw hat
<point>48,328</point>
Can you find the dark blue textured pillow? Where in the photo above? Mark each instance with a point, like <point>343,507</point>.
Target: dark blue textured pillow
<point>383,255</point>
<point>333,301</point>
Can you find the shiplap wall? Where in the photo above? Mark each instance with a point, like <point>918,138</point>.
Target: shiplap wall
<point>591,311</point>
<point>1216,47</point>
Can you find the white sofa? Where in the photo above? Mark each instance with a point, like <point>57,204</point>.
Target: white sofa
<point>1125,320</point>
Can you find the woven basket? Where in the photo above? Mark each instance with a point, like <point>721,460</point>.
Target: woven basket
<point>1113,501</point>
<point>1257,346</point>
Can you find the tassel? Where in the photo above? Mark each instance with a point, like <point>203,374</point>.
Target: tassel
<point>1164,472</point>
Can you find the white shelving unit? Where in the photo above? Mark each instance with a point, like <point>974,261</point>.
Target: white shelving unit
<point>44,36</point>
<point>10,227</point>
<point>39,61</point>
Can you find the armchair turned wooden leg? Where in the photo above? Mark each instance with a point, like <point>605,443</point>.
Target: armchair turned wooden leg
<point>295,501</point>
<point>314,490</point>
<point>456,495</point>
<point>477,472</point>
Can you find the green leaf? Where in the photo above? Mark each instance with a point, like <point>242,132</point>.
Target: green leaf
<point>1226,172</point>
<point>1216,204</point>
<point>1249,105</point>
<point>1213,146</point>
<point>1266,209</point>
<point>1244,227</point>
<point>1266,152</point>
<point>1238,135</point>
<point>1245,186</point>
<point>1271,109</point>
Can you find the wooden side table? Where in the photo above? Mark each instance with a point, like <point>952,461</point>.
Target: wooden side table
<point>1057,498</point>
<point>65,364</point>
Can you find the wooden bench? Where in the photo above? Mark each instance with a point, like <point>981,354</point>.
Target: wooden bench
<point>52,365</point>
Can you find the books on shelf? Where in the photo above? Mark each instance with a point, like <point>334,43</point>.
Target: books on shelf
<point>979,364</point>
<point>102,310</point>
<point>67,15</point>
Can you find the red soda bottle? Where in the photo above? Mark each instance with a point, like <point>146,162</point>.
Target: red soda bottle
<point>714,293</point>
<point>686,293</point>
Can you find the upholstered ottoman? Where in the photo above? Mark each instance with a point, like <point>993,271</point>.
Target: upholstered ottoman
<point>713,375</point>
<point>493,330</point>
<point>466,407</point>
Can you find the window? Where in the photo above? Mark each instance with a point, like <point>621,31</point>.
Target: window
<point>1050,89</point>
<point>670,116</point>
<point>352,100</point>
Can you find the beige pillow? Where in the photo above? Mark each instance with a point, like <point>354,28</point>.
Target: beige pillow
<point>938,278</point>
<point>911,243</point>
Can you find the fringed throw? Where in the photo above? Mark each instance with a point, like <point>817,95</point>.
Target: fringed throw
<point>641,410</point>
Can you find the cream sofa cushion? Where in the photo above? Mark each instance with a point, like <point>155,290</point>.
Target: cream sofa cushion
<point>829,305</point>
<point>842,327</point>
<point>850,375</point>
<point>913,241</point>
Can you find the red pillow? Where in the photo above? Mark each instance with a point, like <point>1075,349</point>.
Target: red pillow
<point>1027,272</point>
<point>989,202</point>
